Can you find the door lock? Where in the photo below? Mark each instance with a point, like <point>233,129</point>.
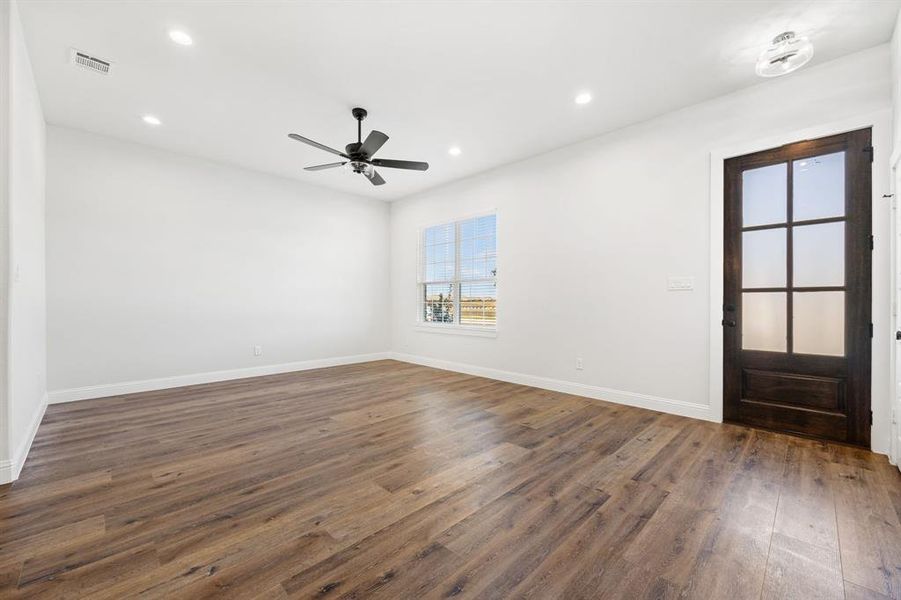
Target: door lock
<point>731,323</point>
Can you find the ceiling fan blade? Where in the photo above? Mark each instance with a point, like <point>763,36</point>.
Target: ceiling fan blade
<point>374,141</point>
<point>300,138</point>
<point>401,164</point>
<point>374,177</point>
<point>326,166</point>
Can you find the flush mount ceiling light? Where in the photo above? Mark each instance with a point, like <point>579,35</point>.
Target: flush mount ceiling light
<point>454,151</point>
<point>787,53</point>
<point>152,120</point>
<point>583,98</point>
<point>180,37</point>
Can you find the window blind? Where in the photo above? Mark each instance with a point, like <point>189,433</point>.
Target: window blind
<point>458,273</point>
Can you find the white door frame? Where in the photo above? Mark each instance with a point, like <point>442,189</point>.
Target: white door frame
<point>895,443</point>
<point>882,383</point>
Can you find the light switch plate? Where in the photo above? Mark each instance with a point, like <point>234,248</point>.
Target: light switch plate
<point>680,284</point>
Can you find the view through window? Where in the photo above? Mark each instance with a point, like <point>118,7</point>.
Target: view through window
<point>458,280</point>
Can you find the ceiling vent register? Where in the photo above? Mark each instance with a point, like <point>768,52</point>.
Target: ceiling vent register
<point>91,63</point>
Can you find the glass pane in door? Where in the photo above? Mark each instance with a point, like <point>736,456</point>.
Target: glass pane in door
<point>819,323</point>
<point>819,255</point>
<point>763,193</point>
<point>763,321</point>
<point>818,187</point>
<point>763,258</point>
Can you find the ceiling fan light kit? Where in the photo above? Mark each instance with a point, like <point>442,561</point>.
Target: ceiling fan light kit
<point>360,154</point>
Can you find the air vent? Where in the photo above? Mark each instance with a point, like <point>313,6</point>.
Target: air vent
<point>91,63</point>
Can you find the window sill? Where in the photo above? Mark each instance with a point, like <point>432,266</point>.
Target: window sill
<point>458,330</point>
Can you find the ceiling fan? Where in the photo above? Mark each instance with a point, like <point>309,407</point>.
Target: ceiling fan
<point>359,154</point>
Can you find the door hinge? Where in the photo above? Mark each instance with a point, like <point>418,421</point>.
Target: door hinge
<point>871,417</point>
<point>869,150</point>
<point>871,330</point>
<point>872,242</point>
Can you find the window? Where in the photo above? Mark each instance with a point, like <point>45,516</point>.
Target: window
<point>458,274</point>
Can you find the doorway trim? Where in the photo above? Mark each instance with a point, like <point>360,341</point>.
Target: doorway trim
<point>895,395</point>
<point>882,383</point>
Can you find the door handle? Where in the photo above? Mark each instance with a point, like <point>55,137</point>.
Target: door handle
<point>729,323</point>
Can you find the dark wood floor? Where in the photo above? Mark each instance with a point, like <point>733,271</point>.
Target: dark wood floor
<point>389,480</point>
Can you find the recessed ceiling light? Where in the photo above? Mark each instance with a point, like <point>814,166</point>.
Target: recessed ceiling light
<point>152,120</point>
<point>787,53</point>
<point>454,151</point>
<point>180,37</point>
<point>583,98</point>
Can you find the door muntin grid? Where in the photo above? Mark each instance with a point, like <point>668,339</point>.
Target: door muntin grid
<point>793,240</point>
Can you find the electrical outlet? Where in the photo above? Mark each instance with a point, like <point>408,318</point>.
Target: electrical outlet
<point>579,364</point>
<point>257,350</point>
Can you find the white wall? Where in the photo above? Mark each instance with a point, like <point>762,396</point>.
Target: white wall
<point>24,290</point>
<point>160,266</point>
<point>896,87</point>
<point>588,234</point>
<point>6,469</point>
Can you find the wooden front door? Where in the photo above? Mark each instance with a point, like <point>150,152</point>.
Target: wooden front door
<point>797,297</point>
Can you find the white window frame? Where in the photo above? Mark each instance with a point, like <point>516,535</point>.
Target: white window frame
<point>456,327</point>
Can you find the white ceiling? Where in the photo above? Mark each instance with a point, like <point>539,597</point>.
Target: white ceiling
<point>498,79</point>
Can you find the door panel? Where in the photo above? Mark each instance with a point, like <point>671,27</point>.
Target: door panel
<point>813,392</point>
<point>797,297</point>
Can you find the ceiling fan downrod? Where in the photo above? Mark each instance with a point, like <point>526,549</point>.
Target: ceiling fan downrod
<point>359,114</point>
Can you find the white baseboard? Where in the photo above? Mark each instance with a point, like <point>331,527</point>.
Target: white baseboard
<point>162,383</point>
<point>10,469</point>
<point>667,405</point>
<point>6,471</point>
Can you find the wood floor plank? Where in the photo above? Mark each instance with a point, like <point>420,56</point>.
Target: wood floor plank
<point>618,578</point>
<point>797,569</point>
<point>493,571</point>
<point>733,558</point>
<point>72,534</point>
<point>43,578</point>
<point>595,545</point>
<point>391,480</point>
<point>856,592</point>
<point>807,504</point>
<point>868,529</point>
<point>411,498</point>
